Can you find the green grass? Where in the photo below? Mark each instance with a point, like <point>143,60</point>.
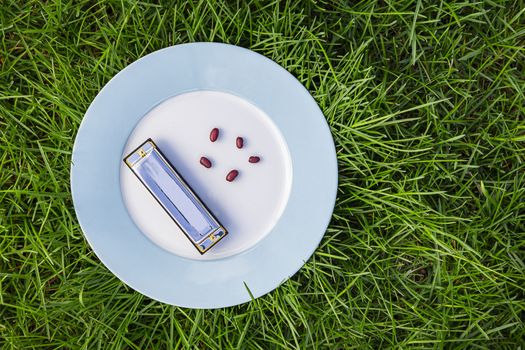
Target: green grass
<point>426,104</point>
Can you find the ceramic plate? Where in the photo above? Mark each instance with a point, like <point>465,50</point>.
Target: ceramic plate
<point>276,210</point>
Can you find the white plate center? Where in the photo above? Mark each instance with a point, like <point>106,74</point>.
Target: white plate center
<point>248,207</point>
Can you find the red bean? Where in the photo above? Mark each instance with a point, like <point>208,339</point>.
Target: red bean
<point>232,175</point>
<point>254,159</point>
<point>214,134</point>
<point>239,142</point>
<point>205,162</point>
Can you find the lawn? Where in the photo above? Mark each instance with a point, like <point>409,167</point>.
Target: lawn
<point>426,104</point>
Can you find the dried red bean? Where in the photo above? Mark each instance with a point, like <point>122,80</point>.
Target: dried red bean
<point>214,134</point>
<point>205,162</point>
<point>239,142</point>
<point>254,159</point>
<point>232,175</point>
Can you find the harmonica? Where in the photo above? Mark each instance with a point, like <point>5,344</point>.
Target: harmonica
<point>175,196</point>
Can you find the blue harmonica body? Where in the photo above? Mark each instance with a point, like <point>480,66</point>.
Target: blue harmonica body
<point>174,195</point>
